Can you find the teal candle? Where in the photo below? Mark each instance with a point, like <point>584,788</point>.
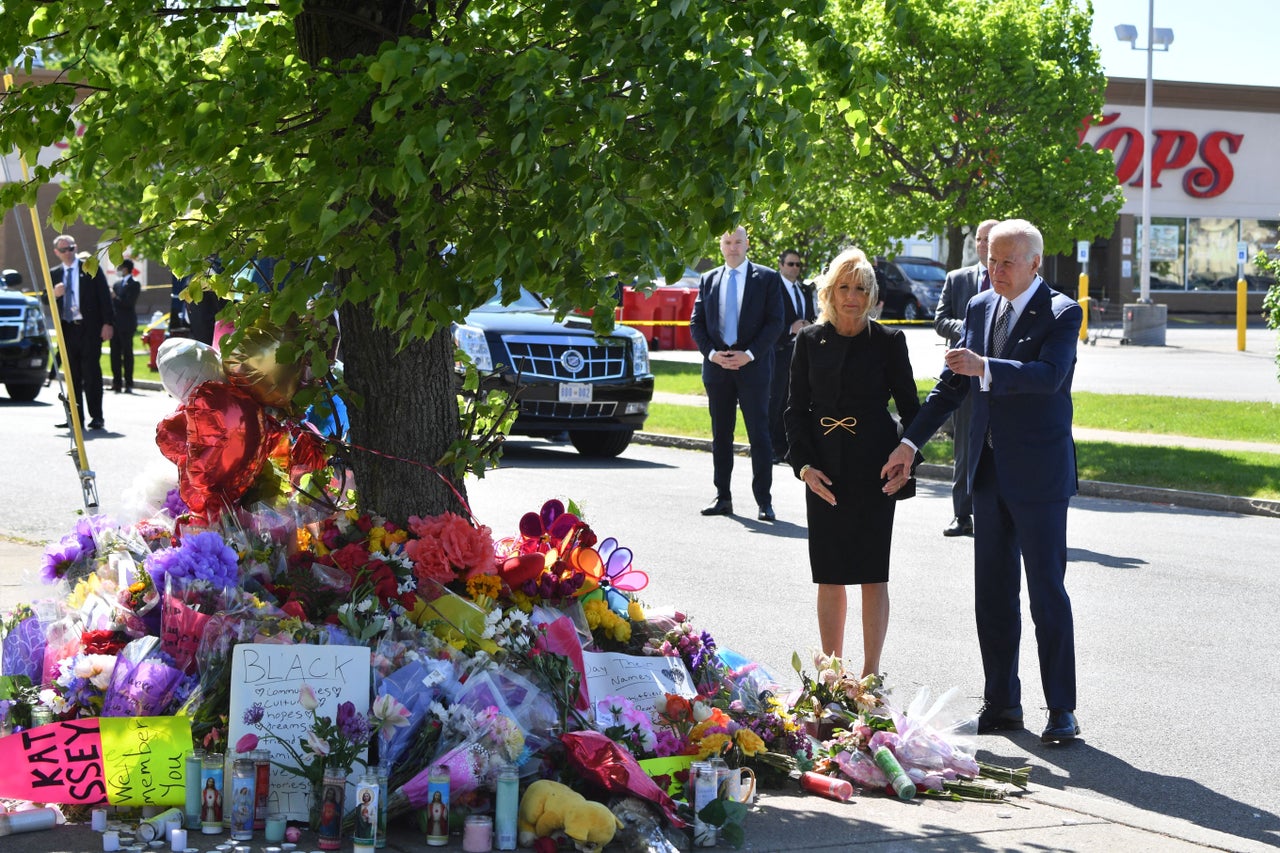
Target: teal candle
<point>274,828</point>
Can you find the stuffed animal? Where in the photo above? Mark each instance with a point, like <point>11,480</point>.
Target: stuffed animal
<point>549,807</point>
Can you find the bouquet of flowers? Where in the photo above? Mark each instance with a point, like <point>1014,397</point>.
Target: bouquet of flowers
<point>834,690</point>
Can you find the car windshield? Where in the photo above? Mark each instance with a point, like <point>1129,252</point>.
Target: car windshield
<point>525,302</point>
<point>924,272</point>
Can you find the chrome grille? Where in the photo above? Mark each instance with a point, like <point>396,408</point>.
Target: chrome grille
<point>548,409</point>
<point>545,357</point>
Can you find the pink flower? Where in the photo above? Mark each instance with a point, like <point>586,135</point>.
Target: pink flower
<point>307,698</point>
<point>319,745</point>
<point>467,547</point>
<point>429,562</point>
<point>247,743</point>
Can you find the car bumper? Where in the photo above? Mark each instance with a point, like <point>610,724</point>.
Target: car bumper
<point>25,362</point>
<point>621,405</point>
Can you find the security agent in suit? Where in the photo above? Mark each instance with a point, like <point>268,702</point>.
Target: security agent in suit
<point>84,309</point>
<point>124,322</point>
<point>948,321</point>
<point>736,321</point>
<point>1022,471</point>
<point>798,311</point>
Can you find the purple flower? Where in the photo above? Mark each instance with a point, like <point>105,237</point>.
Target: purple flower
<point>87,529</point>
<point>174,504</point>
<point>59,558</point>
<point>254,714</point>
<point>353,726</point>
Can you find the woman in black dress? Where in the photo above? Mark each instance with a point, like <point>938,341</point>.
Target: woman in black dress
<point>845,369</point>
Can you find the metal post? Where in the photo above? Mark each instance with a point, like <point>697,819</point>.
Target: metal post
<point>1144,293</point>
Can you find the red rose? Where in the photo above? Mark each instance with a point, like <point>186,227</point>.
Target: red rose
<point>294,608</point>
<point>350,558</point>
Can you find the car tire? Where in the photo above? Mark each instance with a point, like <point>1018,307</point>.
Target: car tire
<point>600,443</point>
<point>910,311</point>
<point>23,392</point>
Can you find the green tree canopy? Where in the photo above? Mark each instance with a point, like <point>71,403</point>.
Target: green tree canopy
<point>543,146</point>
<point>977,115</point>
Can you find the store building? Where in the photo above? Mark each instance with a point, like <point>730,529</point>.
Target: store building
<point>1215,186</point>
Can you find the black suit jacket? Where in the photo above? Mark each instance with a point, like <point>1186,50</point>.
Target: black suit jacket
<point>759,316</point>
<point>95,300</point>
<point>124,302</point>
<point>961,286</point>
<point>789,315</point>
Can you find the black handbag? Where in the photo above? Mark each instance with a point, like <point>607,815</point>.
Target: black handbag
<point>909,490</point>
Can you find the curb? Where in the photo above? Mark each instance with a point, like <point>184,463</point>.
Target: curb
<point>1087,488</point>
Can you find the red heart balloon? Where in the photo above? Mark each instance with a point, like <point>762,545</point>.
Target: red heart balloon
<point>219,439</point>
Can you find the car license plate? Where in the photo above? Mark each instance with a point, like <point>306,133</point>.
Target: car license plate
<point>575,392</point>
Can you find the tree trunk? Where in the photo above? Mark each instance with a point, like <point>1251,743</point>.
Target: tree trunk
<point>406,420</point>
<point>955,247</point>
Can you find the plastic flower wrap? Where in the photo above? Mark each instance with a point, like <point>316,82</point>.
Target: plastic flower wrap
<point>143,682</point>
<point>22,651</point>
<point>492,741</point>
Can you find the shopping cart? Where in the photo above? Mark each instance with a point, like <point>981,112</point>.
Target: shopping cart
<point>1102,320</point>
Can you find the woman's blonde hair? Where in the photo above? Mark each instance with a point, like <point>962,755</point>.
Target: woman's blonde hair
<point>850,266</point>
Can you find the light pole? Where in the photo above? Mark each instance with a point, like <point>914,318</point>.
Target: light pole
<point>1157,38</point>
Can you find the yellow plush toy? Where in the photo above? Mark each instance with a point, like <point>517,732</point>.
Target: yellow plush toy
<point>549,807</point>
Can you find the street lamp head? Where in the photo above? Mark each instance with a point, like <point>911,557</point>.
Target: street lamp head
<point>1127,32</point>
<point>1162,37</point>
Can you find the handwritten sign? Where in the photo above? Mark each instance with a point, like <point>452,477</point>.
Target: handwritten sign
<point>642,680</point>
<point>270,675</point>
<point>128,761</point>
<point>143,757</point>
<point>182,628</point>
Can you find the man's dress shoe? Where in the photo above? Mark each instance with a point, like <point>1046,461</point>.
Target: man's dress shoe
<point>721,506</point>
<point>96,423</point>
<point>961,525</point>
<point>993,719</point>
<point>1062,727</point>
<point>766,513</point>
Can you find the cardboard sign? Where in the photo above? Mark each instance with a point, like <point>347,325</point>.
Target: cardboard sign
<point>270,675</point>
<point>642,680</point>
<point>132,761</point>
<point>144,759</point>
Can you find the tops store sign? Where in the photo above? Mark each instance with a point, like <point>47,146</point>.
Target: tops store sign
<point>1203,162</point>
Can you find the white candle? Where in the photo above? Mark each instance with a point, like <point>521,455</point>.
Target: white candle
<point>110,841</point>
<point>178,840</point>
<point>99,820</point>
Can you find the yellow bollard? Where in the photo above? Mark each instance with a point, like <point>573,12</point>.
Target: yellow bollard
<point>1084,307</point>
<point>1242,312</point>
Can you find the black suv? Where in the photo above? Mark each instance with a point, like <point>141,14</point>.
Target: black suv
<point>564,377</point>
<point>24,341</point>
<point>910,287</point>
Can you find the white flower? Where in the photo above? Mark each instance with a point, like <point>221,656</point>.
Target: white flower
<point>319,745</point>
<point>307,698</point>
<point>96,669</point>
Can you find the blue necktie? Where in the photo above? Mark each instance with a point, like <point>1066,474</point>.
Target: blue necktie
<point>730,324</point>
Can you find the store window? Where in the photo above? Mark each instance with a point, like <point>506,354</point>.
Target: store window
<point>1260,237</point>
<point>1211,253</point>
<point>1168,254</point>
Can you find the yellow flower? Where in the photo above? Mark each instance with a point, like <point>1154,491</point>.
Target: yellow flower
<point>304,539</point>
<point>749,742</point>
<point>621,631</point>
<point>524,602</point>
<point>484,586</point>
<point>376,537</point>
<point>713,744</point>
<point>634,611</point>
<point>594,610</point>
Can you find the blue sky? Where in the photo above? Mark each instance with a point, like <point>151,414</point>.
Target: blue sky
<point>1215,41</point>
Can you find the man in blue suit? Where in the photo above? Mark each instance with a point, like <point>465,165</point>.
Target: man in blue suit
<point>1016,357</point>
<point>736,321</point>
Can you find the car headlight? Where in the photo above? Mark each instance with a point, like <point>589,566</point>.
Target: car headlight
<point>33,323</point>
<point>472,341</point>
<point>639,355</point>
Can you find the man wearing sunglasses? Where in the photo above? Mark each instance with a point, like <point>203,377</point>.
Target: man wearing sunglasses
<point>84,307</point>
<point>798,312</point>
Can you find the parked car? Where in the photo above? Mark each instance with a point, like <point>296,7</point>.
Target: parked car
<point>909,287</point>
<point>564,377</point>
<point>24,341</point>
<point>1254,283</point>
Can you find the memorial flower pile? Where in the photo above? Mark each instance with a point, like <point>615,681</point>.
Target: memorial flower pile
<point>484,652</point>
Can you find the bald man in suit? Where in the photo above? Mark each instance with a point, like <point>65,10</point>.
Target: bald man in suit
<point>736,321</point>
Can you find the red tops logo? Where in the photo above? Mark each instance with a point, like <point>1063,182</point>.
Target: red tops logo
<point>1174,149</point>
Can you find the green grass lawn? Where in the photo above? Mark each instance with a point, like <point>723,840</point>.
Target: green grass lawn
<point>1245,474</point>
